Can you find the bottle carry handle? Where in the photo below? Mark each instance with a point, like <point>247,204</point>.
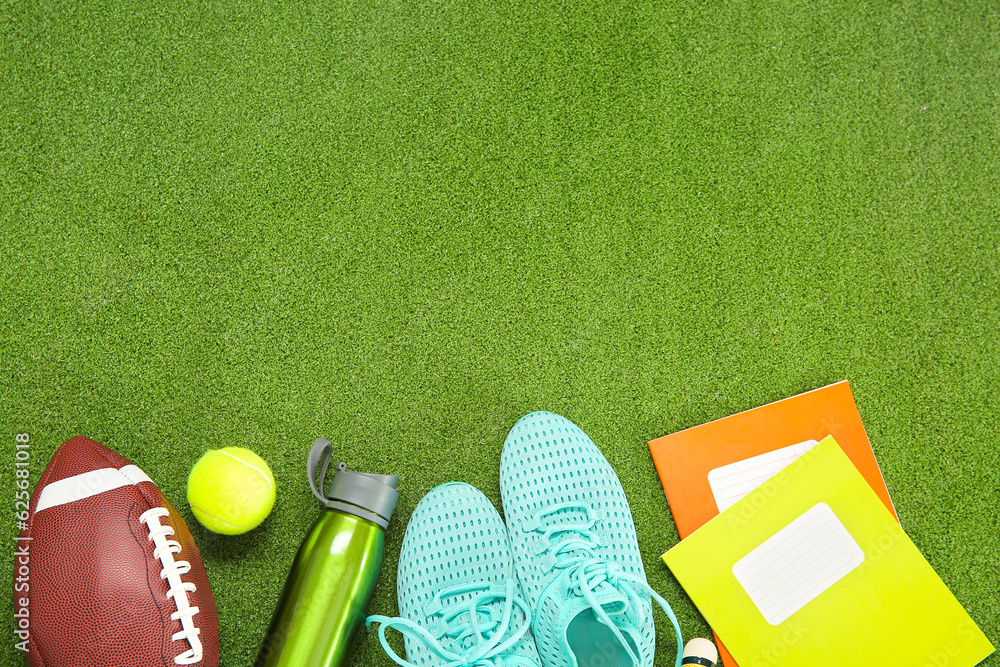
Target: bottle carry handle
<point>319,459</point>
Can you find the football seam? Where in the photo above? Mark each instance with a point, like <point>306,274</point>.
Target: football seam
<point>34,649</point>
<point>150,501</point>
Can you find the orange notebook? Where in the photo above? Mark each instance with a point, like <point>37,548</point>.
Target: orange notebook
<point>708,468</point>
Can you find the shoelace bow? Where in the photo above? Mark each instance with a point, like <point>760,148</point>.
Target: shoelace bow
<point>573,547</point>
<point>470,625</point>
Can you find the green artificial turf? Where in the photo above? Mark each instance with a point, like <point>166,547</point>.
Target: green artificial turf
<point>403,225</point>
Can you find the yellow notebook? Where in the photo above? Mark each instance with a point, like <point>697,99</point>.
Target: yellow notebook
<point>811,569</point>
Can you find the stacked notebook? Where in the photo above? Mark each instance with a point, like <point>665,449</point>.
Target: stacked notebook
<point>791,547</point>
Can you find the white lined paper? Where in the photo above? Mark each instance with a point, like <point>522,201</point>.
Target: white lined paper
<point>730,483</point>
<point>795,565</point>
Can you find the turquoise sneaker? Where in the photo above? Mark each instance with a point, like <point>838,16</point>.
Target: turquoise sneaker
<point>575,549</point>
<point>460,604</point>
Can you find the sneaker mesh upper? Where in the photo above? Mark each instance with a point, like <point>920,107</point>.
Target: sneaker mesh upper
<point>454,537</point>
<point>548,461</point>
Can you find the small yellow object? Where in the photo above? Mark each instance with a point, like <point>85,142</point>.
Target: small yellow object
<point>231,490</point>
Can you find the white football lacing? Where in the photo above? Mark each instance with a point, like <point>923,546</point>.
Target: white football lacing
<point>172,571</point>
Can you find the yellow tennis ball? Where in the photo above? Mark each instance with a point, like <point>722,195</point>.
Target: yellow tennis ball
<point>231,490</point>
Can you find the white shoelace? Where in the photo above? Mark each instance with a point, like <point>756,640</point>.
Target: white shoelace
<point>585,570</point>
<point>172,570</point>
<point>471,625</point>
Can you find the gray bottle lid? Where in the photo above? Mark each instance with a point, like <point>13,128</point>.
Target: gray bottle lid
<point>371,497</point>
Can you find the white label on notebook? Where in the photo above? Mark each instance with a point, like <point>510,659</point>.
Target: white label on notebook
<point>798,563</point>
<point>731,482</point>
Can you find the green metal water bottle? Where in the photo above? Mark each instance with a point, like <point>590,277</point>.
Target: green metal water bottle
<point>334,572</point>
